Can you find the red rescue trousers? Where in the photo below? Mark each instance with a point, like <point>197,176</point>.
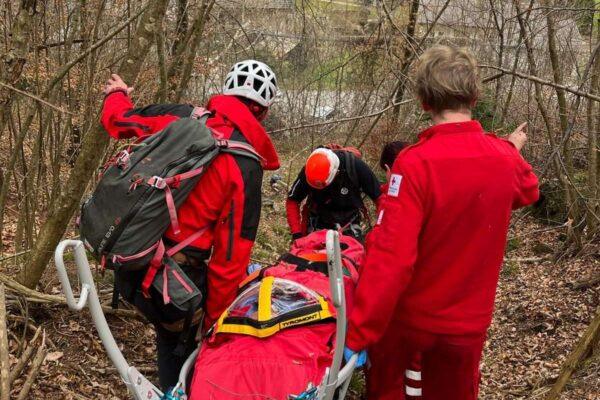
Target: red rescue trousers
<point>449,365</point>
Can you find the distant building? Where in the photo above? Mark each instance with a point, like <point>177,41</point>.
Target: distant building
<point>265,4</point>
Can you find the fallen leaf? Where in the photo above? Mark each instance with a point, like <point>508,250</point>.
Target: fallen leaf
<point>54,356</point>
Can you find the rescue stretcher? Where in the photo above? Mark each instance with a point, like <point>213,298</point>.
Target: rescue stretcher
<point>335,381</point>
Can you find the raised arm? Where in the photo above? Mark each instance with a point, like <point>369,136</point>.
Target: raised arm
<point>296,196</point>
<point>369,184</point>
<point>122,121</point>
<point>528,191</point>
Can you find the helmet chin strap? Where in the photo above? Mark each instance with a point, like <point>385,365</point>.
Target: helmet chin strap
<point>259,112</point>
<point>256,109</point>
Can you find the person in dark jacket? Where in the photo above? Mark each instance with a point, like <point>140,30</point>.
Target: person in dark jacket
<point>388,155</point>
<point>333,183</point>
<point>227,197</point>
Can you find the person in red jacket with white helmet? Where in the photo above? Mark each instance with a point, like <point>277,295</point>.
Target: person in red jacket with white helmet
<point>227,197</point>
<point>428,283</point>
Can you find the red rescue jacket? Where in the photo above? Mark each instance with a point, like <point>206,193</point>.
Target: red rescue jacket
<point>227,197</point>
<point>434,258</point>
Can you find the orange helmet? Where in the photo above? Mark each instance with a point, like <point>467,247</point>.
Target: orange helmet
<point>321,168</point>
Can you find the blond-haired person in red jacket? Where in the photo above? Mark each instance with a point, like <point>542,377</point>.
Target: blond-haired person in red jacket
<point>429,280</point>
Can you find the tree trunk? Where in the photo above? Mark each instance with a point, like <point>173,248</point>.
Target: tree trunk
<point>557,74</point>
<point>408,54</point>
<point>94,144</point>
<point>580,352</point>
<point>542,108</point>
<point>593,125</point>
<point>500,30</point>
<point>562,111</point>
<point>556,70</point>
<point>182,25</point>
<point>13,62</point>
<point>193,47</point>
<point>15,57</point>
<point>56,79</point>
<point>187,46</point>
<point>161,93</point>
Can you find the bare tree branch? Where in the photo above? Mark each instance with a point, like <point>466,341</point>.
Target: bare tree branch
<point>36,98</point>
<point>544,82</point>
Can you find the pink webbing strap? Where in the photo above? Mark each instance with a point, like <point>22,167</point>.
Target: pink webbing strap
<point>166,184</point>
<point>172,210</point>
<point>173,180</point>
<point>186,242</point>
<point>120,259</point>
<point>155,265</point>
<point>182,281</point>
<point>199,112</point>
<point>166,297</point>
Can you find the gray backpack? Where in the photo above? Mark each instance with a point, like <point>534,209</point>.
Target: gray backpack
<point>122,223</point>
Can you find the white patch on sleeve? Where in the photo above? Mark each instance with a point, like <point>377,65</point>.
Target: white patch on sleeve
<point>395,181</point>
<point>380,217</point>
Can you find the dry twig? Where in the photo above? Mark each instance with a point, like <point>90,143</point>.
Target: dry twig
<point>40,356</point>
<point>584,284</point>
<point>35,296</point>
<point>4,362</point>
<point>341,120</point>
<point>25,356</point>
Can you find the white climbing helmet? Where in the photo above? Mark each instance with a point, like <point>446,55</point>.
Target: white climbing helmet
<point>253,80</point>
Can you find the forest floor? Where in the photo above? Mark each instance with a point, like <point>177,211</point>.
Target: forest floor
<point>541,311</point>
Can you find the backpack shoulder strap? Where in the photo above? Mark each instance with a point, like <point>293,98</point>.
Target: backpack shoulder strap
<point>234,147</point>
<point>239,149</point>
<point>200,113</point>
<point>350,160</point>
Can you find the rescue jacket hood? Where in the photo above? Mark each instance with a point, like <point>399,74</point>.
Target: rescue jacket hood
<point>230,108</point>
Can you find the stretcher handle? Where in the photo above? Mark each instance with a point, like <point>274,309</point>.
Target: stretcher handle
<point>89,296</point>
<point>334,267</point>
<point>345,375</point>
<point>138,385</point>
<point>338,298</point>
<point>186,369</point>
<point>72,302</point>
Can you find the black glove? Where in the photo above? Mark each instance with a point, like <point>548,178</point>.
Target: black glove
<point>297,235</point>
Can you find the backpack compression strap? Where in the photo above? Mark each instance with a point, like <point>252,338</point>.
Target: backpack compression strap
<point>157,182</point>
<point>166,184</point>
<point>157,260</point>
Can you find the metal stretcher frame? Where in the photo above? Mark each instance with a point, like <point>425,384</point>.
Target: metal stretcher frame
<point>140,387</point>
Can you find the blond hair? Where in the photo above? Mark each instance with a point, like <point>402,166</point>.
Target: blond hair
<point>446,78</point>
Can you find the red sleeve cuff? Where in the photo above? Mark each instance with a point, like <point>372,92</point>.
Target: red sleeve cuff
<point>354,342</point>
<point>124,91</point>
<point>294,216</point>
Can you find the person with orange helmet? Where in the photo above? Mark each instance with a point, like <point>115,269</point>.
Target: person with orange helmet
<point>332,184</point>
